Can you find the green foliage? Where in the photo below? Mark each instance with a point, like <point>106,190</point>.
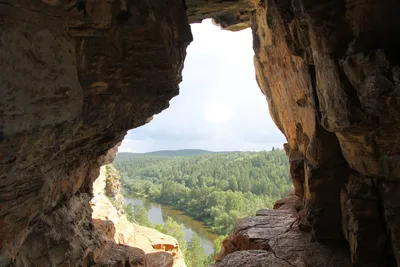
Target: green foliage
<point>117,202</point>
<point>217,248</point>
<point>216,188</point>
<point>193,251</point>
<point>129,212</point>
<point>169,153</point>
<point>112,187</point>
<point>140,214</point>
<point>218,244</point>
<point>195,256</point>
<point>112,181</point>
<point>174,229</point>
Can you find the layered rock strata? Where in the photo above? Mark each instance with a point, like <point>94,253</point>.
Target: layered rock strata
<point>273,238</point>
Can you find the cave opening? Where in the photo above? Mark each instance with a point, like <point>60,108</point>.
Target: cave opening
<point>220,108</point>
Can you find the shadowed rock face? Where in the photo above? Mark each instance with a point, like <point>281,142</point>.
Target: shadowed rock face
<point>197,10</point>
<point>335,96</point>
<point>72,85</point>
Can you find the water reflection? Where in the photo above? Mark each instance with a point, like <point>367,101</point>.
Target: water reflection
<point>158,214</point>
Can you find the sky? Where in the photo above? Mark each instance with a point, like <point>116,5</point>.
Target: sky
<point>220,106</point>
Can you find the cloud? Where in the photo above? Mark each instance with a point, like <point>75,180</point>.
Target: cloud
<point>129,145</point>
<point>217,112</point>
<point>220,106</point>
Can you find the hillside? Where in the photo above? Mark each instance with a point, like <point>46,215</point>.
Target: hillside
<point>168,153</point>
<point>217,188</point>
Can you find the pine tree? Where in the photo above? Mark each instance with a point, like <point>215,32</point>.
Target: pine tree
<point>195,253</point>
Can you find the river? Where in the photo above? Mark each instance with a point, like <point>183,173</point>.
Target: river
<point>158,214</point>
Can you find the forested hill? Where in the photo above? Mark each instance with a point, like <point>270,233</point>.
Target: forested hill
<point>217,188</point>
<point>168,153</point>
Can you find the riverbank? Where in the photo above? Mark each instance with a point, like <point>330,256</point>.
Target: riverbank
<point>216,189</point>
<point>158,214</point>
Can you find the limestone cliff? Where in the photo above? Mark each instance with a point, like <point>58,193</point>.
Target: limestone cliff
<point>123,241</point>
<point>76,75</point>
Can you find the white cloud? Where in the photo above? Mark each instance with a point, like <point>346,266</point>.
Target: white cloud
<point>128,145</point>
<point>217,113</point>
<point>220,106</point>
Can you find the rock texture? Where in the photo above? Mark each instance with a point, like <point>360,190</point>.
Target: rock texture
<point>197,10</point>
<point>258,258</point>
<point>71,86</point>
<point>74,80</point>
<point>122,241</point>
<point>273,238</point>
<point>334,96</point>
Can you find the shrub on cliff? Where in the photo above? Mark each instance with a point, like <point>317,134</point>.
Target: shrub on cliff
<point>112,188</point>
<point>112,181</point>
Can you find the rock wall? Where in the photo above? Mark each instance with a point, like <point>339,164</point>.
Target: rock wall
<point>329,70</point>
<point>77,74</point>
<point>274,238</point>
<point>71,86</point>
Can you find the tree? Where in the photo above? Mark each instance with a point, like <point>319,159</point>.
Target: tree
<point>217,248</point>
<point>140,216</point>
<point>233,184</point>
<point>195,253</point>
<point>174,229</point>
<point>129,212</point>
<point>215,189</point>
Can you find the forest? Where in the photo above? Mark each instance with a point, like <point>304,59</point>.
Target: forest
<point>216,188</point>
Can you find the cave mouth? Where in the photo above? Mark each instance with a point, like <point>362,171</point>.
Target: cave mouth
<point>71,86</point>
<point>78,93</point>
<point>220,108</point>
